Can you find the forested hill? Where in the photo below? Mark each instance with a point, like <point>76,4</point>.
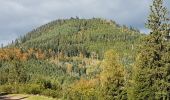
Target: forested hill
<point>74,36</point>
<point>91,59</point>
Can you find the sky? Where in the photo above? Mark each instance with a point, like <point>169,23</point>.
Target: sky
<point>17,17</point>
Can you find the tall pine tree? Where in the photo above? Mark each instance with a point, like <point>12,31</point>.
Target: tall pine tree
<point>151,75</point>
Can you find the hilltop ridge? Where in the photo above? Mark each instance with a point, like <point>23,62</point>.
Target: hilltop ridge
<point>74,36</point>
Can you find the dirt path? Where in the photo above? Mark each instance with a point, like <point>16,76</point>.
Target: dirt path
<point>11,97</point>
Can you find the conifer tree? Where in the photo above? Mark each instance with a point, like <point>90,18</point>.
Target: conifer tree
<point>151,75</point>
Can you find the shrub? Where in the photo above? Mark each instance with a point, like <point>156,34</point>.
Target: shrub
<point>6,88</point>
<point>51,93</point>
<point>33,89</point>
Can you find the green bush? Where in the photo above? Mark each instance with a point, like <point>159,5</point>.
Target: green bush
<point>46,84</point>
<point>33,89</point>
<point>6,88</point>
<point>51,93</point>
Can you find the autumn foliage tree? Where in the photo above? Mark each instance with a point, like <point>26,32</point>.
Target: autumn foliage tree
<point>112,77</point>
<point>83,90</point>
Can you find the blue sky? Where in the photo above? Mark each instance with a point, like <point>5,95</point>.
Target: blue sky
<point>17,17</point>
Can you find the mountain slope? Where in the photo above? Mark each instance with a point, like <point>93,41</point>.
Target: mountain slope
<point>86,36</point>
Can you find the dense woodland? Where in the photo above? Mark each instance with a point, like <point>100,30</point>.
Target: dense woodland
<point>91,59</point>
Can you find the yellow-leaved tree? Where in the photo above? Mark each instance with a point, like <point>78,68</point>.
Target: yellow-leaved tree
<point>112,77</point>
